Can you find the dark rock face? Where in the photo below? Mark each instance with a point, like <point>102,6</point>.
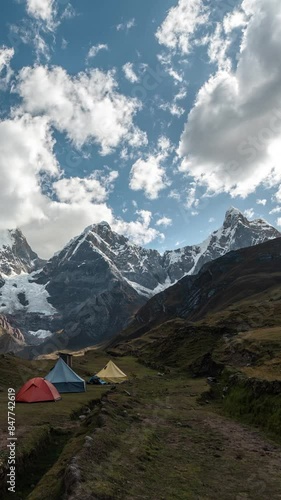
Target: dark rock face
<point>16,255</point>
<point>232,278</point>
<point>93,299</point>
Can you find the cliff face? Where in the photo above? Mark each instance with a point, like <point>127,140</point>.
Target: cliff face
<point>16,256</point>
<point>11,339</point>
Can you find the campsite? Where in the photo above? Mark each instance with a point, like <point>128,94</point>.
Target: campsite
<point>127,438</point>
<point>46,427</point>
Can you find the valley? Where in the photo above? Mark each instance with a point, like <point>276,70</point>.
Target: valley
<point>202,356</point>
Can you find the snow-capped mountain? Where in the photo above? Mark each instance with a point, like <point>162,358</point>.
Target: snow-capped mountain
<point>236,232</point>
<point>16,256</point>
<point>91,288</point>
<point>149,272</point>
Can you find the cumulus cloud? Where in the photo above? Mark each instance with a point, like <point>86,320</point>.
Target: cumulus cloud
<point>233,20</point>
<point>261,202</point>
<point>164,221</point>
<point>129,73</point>
<point>61,222</point>
<point>178,29</point>
<point>149,174</point>
<point>278,222</point>
<point>94,188</point>
<point>231,141</point>
<point>43,10</point>
<point>26,152</point>
<point>138,231</point>
<point>87,107</point>
<point>95,49</point>
<point>27,163</point>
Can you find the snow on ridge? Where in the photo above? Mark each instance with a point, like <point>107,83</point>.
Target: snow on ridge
<point>6,239</point>
<point>41,334</point>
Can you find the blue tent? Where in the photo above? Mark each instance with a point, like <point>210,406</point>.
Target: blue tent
<point>65,379</point>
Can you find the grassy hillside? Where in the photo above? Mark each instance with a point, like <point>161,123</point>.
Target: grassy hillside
<point>242,287</point>
<point>39,425</point>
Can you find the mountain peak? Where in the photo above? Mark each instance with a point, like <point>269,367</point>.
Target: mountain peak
<point>105,224</point>
<point>233,213</point>
<point>16,256</point>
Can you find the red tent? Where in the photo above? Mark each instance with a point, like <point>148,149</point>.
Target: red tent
<point>37,390</point>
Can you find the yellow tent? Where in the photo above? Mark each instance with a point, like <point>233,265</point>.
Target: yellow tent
<point>111,373</point>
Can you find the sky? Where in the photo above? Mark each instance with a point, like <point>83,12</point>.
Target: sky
<point>155,116</point>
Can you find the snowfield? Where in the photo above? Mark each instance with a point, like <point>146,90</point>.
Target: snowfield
<point>35,296</point>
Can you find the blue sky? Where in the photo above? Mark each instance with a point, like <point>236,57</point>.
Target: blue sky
<point>155,116</point>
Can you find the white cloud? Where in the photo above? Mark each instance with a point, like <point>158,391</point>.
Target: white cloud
<point>43,10</point>
<point>32,33</point>
<point>173,108</point>
<point>192,201</point>
<point>178,29</point>
<point>6,54</point>
<point>218,46</point>
<point>233,20</point>
<point>148,176</point>
<point>276,210</point>
<point>174,195</point>
<point>278,222</point>
<point>164,221</point>
<point>87,107</point>
<point>138,231</point>
<point>61,222</point>
<point>95,49</point>
<point>231,141</point>
<point>26,151</point>
<point>129,73</point>
<point>249,213</point>
<point>166,61</point>
<point>164,146</point>
<point>261,202</point>
<point>94,189</point>
<point>211,220</point>
<point>182,93</point>
<point>27,163</point>
<point>126,25</point>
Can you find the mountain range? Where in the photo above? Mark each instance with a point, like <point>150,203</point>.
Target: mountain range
<point>94,287</point>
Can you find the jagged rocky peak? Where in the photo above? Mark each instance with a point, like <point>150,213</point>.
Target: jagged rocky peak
<point>16,255</point>
<point>232,216</point>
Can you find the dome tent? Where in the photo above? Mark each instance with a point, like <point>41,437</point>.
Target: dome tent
<point>65,379</point>
<point>111,373</point>
<point>37,390</point>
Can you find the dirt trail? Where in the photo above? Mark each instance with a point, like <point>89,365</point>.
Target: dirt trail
<point>167,446</point>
